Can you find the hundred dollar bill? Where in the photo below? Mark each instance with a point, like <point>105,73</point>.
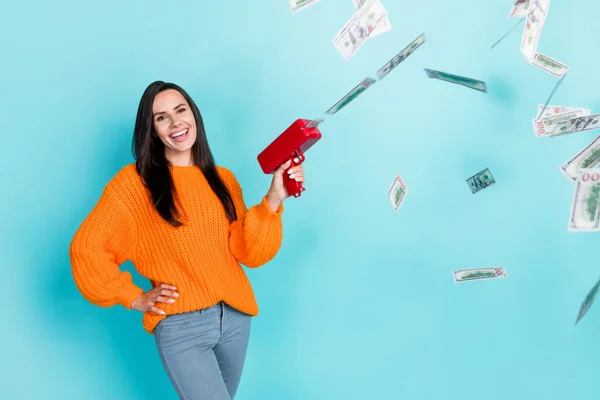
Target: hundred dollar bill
<point>297,5</point>
<point>589,157</point>
<point>553,110</point>
<point>548,64</point>
<point>401,56</point>
<point>585,206</point>
<point>477,274</point>
<point>357,30</point>
<point>383,26</point>
<point>536,16</point>
<point>545,126</point>
<point>459,80</point>
<point>353,94</point>
<point>397,192</point>
<point>519,9</point>
<point>480,180</point>
<point>577,124</point>
<point>587,302</point>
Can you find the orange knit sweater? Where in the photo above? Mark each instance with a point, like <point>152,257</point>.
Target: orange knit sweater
<point>201,258</point>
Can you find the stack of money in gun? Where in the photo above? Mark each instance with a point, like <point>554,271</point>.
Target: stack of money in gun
<point>371,19</point>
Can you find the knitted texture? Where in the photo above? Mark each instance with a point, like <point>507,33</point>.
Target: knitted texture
<point>202,258</point>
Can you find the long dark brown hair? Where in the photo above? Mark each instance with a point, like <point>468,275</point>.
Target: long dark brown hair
<point>153,167</point>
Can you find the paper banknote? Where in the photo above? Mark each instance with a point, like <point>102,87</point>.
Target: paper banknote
<point>314,123</point>
<point>519,9</point>
<point>383,26</point>
<point>553,110</point>
<point>351,95</point>
<point>545,126</point>
<point>397,192</point>
<point>585,205</point>
<point>577,124</point>
<point>459,80</point>
<point>477,274</point>
<point>297,5</point>
<point>589,157</point>
<point>481,180</point>
<point>548,64</point>
<point>536,16</point>
<point>401,56</point>
<point>586,304</point>
<point>357,30</point>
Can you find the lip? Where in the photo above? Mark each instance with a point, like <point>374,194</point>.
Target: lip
<point>182,138</point>
<point>178,131</point>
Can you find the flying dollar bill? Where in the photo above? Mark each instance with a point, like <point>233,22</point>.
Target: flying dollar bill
<point>357,30</point>
<point>383,26</point>
<point>480,181</point>
<point>519,9</point>
<point>297,5</point>
<point>314,123</point>
<point>536,16</point>
<point>459,80</point>
<point>397,192</point>
<point>401,56</point>
<point>351,95</point>
<point>577,124</point>
<point>477,274</point>
<point>545,126</point>
<point>553,110</point>
<point>588,157</point>
<point>548,64</point>
<point>586,304</point>
<point>585,206</point>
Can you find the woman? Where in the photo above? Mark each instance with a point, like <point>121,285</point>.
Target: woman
<point>183,223</point>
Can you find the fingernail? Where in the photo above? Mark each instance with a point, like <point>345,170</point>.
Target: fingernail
<point>292,176</point>
<point>162,312</point>
<point>176,295</point>
<point>170,301</point>
<point>290,171</point>
<point>296,160</point>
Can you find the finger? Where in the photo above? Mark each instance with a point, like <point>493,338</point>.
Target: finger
<point>285,164</point>
<point>164,299</point>
<point>157,310</point>
<point>165,286</point>
<point>166,292</point>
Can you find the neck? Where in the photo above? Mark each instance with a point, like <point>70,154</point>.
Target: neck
<point>180,160</point>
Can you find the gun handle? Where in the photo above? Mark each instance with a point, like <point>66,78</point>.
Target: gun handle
<point>293,187</point>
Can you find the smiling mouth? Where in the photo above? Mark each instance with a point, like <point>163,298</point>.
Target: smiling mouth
<point>179,136</point>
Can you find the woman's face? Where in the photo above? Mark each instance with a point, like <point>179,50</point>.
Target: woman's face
<point>175,125</point>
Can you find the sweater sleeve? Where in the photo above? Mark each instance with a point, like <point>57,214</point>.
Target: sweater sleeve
<point>104,241</point>
<point>255,237</point>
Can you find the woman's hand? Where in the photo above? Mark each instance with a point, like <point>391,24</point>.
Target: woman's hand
<point>146,301</point>
<point>277,192</point>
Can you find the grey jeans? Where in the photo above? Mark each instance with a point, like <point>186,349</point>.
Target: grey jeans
<point>203,351</point>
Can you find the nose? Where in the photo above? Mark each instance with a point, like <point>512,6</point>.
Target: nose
<point>175,122</point>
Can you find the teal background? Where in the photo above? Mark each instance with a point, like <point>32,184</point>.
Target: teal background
<point>360,302</point>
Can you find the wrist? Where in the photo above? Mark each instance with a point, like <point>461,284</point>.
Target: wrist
<point>273,200</point>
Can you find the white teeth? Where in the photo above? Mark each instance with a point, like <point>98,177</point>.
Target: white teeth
<point>179,133</point>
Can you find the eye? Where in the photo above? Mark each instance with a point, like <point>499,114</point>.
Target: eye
<point>159,118</point>
<point>181,109</point>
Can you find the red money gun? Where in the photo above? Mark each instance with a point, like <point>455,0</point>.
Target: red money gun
<point>292,143</point>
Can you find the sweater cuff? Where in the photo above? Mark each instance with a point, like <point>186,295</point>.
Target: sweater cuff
<point>264,211</point>
<point>127,297</point>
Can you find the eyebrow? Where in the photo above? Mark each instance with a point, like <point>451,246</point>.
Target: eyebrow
<point>162,112</point>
